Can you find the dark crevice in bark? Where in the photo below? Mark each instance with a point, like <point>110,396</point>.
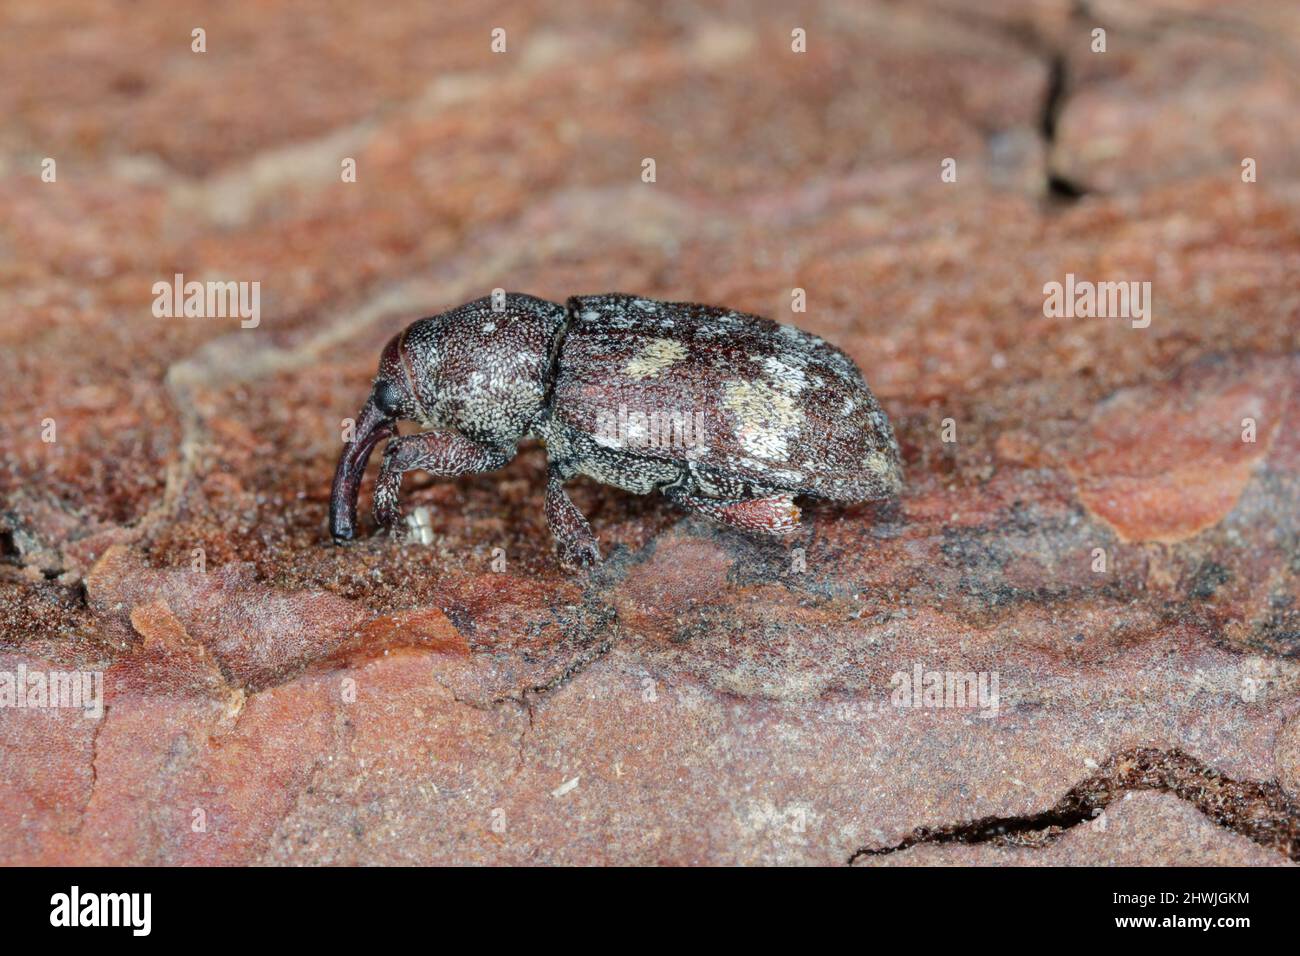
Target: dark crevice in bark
<point>1259,811</point>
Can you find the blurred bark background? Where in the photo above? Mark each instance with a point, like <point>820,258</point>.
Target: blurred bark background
<point>704,697</point>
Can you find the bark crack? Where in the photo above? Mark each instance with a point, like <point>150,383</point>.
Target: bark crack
<point>1259,811</point>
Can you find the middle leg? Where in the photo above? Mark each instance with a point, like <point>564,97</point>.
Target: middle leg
<point>576,541</point>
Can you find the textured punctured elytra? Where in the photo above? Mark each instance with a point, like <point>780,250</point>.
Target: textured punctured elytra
<point>726,414</point>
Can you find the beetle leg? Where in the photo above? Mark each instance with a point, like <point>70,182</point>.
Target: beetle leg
<point>773,514</point>
<point>576,542</point>
<point>445,454</point>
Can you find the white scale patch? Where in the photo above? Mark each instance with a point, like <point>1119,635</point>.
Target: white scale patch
<point>767,418</point>
<point>654,357</point>
<point>877,463</point>
<point>785,377</point>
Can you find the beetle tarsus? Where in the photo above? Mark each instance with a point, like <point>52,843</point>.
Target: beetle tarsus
<point>385,508</point>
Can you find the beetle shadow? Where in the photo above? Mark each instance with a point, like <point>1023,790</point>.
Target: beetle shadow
<point>804,562</point>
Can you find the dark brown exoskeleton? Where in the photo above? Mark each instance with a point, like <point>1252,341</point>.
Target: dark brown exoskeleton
<point>727,414</point>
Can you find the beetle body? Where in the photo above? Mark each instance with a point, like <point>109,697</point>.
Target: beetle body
<point>729,415</point>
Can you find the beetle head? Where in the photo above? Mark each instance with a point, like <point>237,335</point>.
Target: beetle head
<point>480,370</point>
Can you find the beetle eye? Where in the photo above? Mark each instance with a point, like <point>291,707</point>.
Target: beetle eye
<point>387,398</point>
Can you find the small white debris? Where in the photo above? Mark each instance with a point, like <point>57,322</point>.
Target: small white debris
<point>420,521</point>
<point>565,787</point>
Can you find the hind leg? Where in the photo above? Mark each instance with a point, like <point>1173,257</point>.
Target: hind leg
<point>775,514</point>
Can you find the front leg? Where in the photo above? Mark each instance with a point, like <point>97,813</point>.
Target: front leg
<point>445,454</point>
<point>577,543</point>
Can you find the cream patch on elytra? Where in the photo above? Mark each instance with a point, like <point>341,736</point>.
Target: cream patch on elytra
<point>654,357</point>
<point>878,464</point>
<point>767,418</point>
<point>787,377</point>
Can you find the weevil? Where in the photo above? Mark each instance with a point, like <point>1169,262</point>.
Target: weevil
<point>728,415</point>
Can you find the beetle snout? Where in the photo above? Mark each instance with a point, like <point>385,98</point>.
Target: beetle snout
<point>372,427</point>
